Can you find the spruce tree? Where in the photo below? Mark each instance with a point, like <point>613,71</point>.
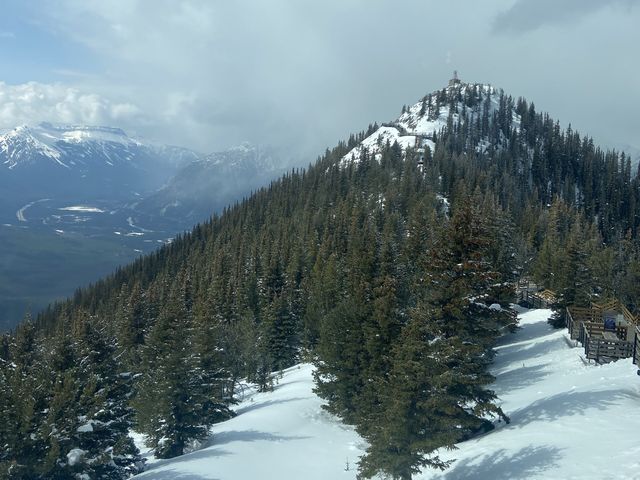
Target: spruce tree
<point>436,393</point>
<point>161,403</point>
<point>175,405</point>
<point>104,413</point>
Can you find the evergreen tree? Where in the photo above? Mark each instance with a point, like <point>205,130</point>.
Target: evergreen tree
<point>436,392</point>
<point>104,413</point>
<point>345,264</point>
<point>577,276</point>
<point>171,407</point>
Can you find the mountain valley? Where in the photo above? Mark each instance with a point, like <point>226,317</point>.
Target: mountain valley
<point>76,202</point>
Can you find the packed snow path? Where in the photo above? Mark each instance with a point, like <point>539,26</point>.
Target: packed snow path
<point>568,421</point>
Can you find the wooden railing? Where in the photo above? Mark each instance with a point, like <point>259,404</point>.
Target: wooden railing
<point>524,289</point>
<point>585,314</point>
<point>603,349</point>
<point>532,294</point>
<point>617,306</point>
<point>576,316</point>
<point>597,329</point>
<point>572,326</point>
<point>588,327</point>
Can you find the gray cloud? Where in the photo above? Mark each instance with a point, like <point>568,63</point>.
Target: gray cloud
<point>303,74</point>
<point>527,15</point>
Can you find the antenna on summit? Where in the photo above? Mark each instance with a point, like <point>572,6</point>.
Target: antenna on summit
<point>455,80</point>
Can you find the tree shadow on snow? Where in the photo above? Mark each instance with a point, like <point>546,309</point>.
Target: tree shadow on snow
<point>279,384</point>
<point>505,465</point>
<point>223,438</point>
<point>527,332</point>
<point>566,404</point>
<point>172,474</point>
<point>522,353</point>
<point>518,378</point>
<point>154,471</point>
<point>268,403</point>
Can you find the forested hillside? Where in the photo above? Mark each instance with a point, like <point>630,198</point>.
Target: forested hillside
<point>391,270</point>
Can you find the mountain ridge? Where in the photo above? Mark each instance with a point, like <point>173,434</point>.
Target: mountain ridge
<point>419,124</point>
<point>394,273</point>
<point>60,144</point>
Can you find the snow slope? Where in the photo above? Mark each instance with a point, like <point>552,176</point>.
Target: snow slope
<point>569,421</point>
<point>418,124</point>
<point>276,436</point>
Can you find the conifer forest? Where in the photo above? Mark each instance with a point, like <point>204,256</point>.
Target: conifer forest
<point>392,273</point>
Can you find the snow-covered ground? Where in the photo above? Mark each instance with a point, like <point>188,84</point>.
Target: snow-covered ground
<point>418,124</point>
<point>280,435</point>
<point>569,420</point>
<point>82,208</point>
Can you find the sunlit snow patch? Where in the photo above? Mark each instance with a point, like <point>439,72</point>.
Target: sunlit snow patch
<point>82,208</point>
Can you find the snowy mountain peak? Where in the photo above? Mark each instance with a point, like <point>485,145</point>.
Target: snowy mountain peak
<point>419,124</point>
<point>57,143</point>
<point>243,147</point>
<point>22,145</point>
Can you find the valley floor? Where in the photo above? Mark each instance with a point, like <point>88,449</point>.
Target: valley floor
<point>569,420</point>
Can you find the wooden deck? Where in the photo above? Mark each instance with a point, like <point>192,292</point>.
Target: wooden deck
<point>606,348</point>
<point>587,325</point>
<point>575,316</point>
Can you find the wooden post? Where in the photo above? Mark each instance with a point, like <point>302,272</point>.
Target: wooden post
<point>584,339</point>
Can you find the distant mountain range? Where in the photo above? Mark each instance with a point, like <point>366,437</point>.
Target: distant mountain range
<point>82,162</point>
<point>70,194</point>
<point>215,180</point>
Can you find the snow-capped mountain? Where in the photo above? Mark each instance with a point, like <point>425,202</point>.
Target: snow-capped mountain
<point>243,156</point>
<point>26,145</point>
<point>82,163</point>
<point>419,124</point>
<point>80,147</point>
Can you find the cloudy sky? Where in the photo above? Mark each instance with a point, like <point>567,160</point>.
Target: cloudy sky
<point>208,74</point>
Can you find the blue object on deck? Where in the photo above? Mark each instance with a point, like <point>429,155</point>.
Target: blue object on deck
<point>609,324</point>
